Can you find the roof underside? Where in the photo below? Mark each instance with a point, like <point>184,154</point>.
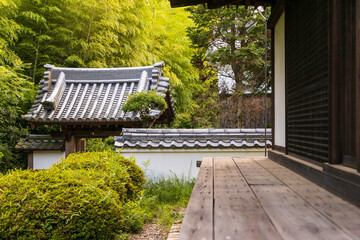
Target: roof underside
<point>192,138</point>
<point>88,95</point>
<point>219,3</point>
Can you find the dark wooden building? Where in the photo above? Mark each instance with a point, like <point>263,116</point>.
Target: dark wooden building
<point>316,87</point>
<point>87,102</point>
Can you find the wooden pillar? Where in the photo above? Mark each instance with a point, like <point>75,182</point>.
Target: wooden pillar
<point>80,145</point>
<point>31,160</point>
<point>70,145</point>
<point>357,82</point>
<point>334,147</point>
<point>273,87</point>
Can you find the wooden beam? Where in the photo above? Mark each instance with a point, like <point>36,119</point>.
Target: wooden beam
<point>276,12</point>
<point>70,145</point>
<point>81,124</point>
<point>357,82</point>
<point>220,3</point>
<point>334,147</point>
<point>183,3</point>
<point>286,96</point>
<point>31,160</point>
<point>273,86</point>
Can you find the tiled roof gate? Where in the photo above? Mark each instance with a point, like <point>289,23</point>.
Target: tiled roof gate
<point>91,95</point>
<point>87,102</point>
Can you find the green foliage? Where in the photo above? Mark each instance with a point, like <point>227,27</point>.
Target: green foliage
<point>16,94</point>
<point>231,39</point>
<point>121,174</point>
<point>100,144</point>
<point>168,195</point>
<point>9,30</point>
<point>161,200</point>
<point>171,189</point>
<point>79,198</point>
<point>136,213</point>
<point>143,102</point>
<point>231,36</point>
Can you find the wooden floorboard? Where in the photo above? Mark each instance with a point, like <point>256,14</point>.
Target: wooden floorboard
<point>345,215</point>
<point>256,198</point>
<point>233,196</point>
<point>198,220</point>
<point>293,217</point>
<point>255,173</point>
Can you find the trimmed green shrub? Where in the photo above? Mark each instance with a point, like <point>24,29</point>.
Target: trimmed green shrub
<point>79,198</point>
<point>116,171</point>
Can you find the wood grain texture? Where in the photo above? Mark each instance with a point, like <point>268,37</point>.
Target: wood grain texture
<point>254,173</point>
<point>237,212</point>
<point>198,221</point>
<point>345,215</point>
<point>293,217</point>
<point>256,198</point>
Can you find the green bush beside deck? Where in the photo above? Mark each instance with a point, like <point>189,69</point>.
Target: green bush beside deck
<point>81,197</point>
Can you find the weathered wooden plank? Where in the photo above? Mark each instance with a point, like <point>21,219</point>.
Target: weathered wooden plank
<point>345,215</point>
<point>254,173</point>
<point>237,212</point>
<point>198,221</point>
<point>293,217</point>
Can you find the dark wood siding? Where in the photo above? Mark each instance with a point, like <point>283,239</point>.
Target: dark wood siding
<point>307,78</point>
<point>344,80</point>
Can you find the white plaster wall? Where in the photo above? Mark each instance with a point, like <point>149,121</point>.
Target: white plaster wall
<point>279,72</point>
<point>44,159</point>
<point>182,162</point>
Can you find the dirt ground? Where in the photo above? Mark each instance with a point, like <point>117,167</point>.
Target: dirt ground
<point>151,231</point>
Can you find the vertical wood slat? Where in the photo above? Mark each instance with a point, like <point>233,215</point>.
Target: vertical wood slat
<point>286,93</point>
<point>273,85</point>
<point>306,71</point>
<point>198,221</point>
<point>334,154</point>
<point>357,82</point>
<point>31,160</point>
<point>70,145</point>
<point>237,212</point>
<point>344,82</point>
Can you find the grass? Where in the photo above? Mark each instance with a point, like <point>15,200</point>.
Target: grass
<point>160,201</point>
<point>169,196</point>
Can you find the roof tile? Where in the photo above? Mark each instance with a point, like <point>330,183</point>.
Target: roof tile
<point>93,94</point>
<point>192,138</point>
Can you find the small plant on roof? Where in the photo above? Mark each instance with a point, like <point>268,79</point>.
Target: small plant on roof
<point>143,102</point>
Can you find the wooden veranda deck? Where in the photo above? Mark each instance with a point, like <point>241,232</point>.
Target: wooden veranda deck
<point>256,198</point>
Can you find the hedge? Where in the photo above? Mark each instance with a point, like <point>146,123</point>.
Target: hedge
<point>81,197</point>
